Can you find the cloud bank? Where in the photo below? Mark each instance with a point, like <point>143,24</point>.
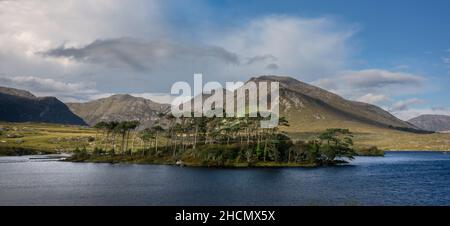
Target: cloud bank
<point>79,49</point>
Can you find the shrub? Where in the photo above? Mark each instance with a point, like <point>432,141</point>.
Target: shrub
<point>370,151</point>
<point>98,151</point>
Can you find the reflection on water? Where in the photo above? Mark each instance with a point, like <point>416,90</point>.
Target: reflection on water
<point>406,178</point>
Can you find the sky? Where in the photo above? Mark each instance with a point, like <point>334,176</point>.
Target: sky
<point>391,53</point>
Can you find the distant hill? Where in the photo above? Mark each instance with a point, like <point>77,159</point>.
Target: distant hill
<point>22,106</point>
<point>438,123</point>
<point>119,107</point>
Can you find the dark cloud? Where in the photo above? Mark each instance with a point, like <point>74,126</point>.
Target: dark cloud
<point>381,78</point>
<point>272,66</point>
<point>141,55</point>
<point>263,58</point>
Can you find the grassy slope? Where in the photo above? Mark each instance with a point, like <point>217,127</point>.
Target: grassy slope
<point>63,138</point>
<point>43,137</point>
<point>310,119</point>
<point>366,135</point>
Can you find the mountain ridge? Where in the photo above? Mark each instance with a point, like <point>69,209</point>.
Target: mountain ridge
<point>306,107</point>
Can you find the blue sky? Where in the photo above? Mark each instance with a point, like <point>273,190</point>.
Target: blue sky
<point>395,54</point>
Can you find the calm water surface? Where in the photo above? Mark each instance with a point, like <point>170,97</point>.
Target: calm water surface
<point>400,178</point>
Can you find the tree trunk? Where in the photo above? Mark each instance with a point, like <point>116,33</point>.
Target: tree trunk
<point>175,146</point>
<point>122,144</point>
<point>132,144</point>
<point>265,148</point>
<point>127,136</point>
<point>195,136</point>
<point>114,141</point>
<point>106,140</point>
<point>240,136</point>
<point>156,142</point>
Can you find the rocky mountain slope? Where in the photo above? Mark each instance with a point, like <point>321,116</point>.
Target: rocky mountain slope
<point>119,107</point>
<point>438,123</point>
<point>309,104</point>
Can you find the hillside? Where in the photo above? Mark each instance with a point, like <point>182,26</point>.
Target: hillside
<point>310,110</point>
<point>305,103</point>
<point>438,123</point>
<point>121,107</point>
<point>22,106</point>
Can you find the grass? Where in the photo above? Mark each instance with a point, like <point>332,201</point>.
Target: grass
<point>42,137</point>
<point>366,136</point>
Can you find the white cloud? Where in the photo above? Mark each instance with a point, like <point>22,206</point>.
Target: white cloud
<point>405,105</point>
<point>85,40</point>
<point>373,98</point>
<point>301,47</point>
<point>28,27</point>
<point>372,82</point>
<point>48,87</point>
<point>376,78</point>
<point>162,98</point>
<point>446,60</point>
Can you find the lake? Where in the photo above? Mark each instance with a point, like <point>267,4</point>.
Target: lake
<point>399,178</point>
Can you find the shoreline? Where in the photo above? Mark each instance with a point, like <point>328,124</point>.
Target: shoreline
<point>195,164</point>
<point>129,160</point>
<point>29,152</point>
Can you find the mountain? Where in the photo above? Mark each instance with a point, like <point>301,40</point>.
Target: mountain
<point>22,106</point>
<point>119,107</point>
<point>308,107</point>
<point>438,123</point>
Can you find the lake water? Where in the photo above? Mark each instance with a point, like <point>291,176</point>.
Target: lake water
<point>400,178</point>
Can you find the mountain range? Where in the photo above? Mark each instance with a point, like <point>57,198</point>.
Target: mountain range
<point>438,123</point>
<point>308,108</point>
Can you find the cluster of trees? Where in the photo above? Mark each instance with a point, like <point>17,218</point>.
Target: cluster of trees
<point>196,133</point>
<point>219,141</point>
<point>331,145</point>
<point>112,130</point>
